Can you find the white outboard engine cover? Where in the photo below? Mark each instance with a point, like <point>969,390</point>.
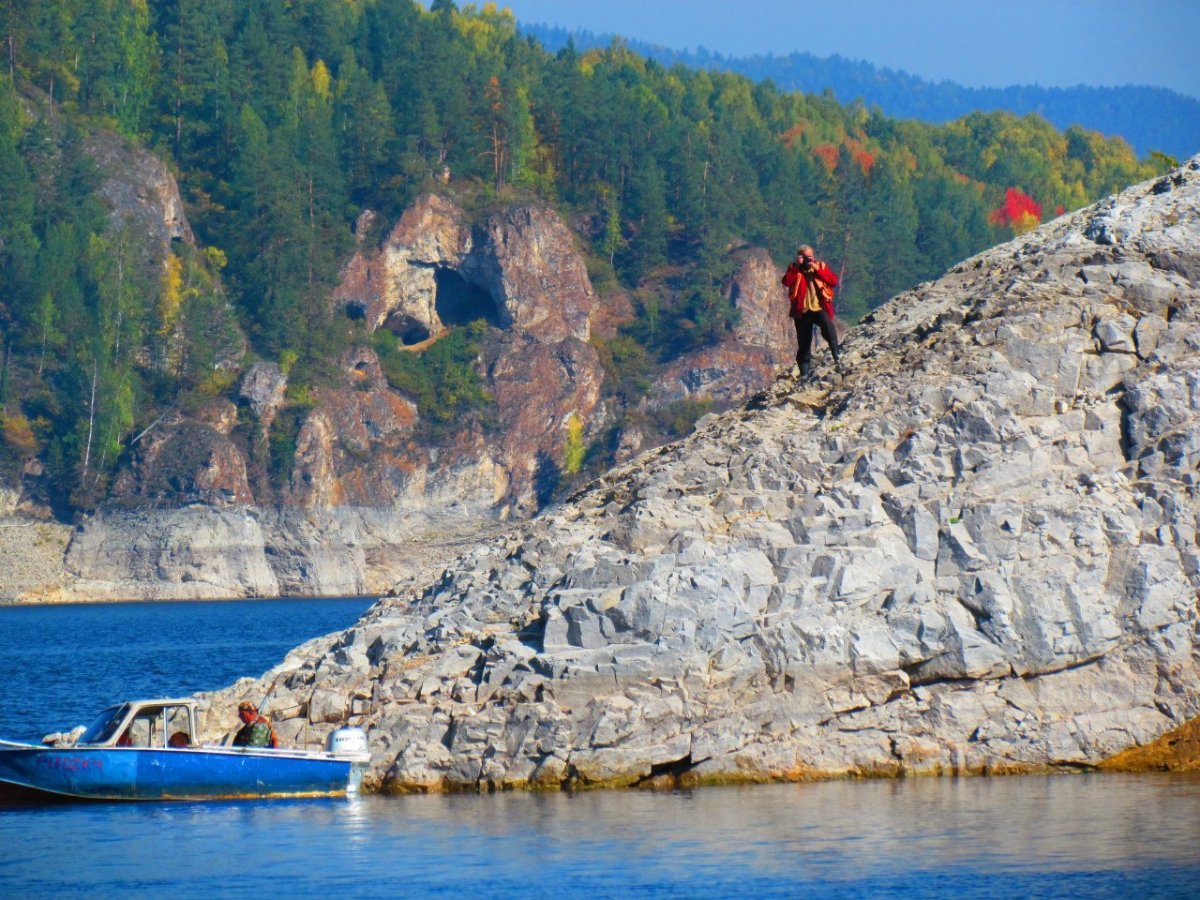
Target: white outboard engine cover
<point>347,740</point>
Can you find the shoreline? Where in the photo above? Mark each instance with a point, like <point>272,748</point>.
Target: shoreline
<point>75,601</point>
<point>670,783</point>
<point>199,554</point>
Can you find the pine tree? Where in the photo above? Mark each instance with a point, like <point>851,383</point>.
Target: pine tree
<point>116,62</point>
<point>195,89</point>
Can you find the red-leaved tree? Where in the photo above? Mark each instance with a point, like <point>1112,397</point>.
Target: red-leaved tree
<point>1018,211</point>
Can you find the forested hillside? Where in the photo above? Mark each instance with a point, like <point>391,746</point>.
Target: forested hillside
<point>284,119</point>
<point>1149,118</point>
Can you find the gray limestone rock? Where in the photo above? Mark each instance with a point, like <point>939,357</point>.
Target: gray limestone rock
<point>975,553</point>
<point>263,388</point>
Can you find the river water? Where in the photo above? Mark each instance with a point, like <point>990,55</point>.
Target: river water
<point>1074,837</point>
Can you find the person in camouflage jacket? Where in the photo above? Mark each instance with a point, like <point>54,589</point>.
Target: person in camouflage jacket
<point>256,730</point>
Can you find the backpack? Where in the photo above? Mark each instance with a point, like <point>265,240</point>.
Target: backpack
<point>825,295</point>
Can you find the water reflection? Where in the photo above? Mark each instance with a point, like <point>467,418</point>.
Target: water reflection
<point>1065,836</point>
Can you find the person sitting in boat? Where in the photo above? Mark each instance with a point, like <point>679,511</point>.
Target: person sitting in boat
<point>256,730</point>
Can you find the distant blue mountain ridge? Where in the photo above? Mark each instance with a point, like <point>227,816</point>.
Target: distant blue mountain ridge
<point>1149,118</point>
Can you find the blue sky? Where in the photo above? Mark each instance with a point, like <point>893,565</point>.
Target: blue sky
<point>1054,43</point>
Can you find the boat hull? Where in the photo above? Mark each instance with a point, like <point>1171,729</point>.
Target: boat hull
<point>202,773</point>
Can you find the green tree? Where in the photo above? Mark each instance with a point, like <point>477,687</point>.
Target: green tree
<point>194,90</point>
<point>51,48</point>
<point>117,60</point>
<point>18,244</point>
<point>120,315</point>
<point>363,122</point>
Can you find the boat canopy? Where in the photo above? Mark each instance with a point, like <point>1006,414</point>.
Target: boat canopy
<point>144,723</point>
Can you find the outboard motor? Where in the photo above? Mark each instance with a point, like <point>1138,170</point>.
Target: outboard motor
<point>352,742</point>
<point>347,740</point>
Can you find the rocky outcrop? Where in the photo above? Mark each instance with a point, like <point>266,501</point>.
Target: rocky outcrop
<point>538,387</point>
<point>762,342</point>
<point>183,461</point>
<point>138,188</point>
<point>31,557</point>
<point>526,261</point>
<point>977,553</point>
<point>194,552</point>
<point>761,304</point>
<point>396,285</point>
<point>519,269</point>
<point>204,552</point>
<point>263,389</point>
<point>727,373</point>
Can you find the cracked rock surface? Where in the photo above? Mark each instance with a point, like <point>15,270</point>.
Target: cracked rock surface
<point>975,552</point>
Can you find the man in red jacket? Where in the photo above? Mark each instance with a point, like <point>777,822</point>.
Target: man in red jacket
<point>810,285</point>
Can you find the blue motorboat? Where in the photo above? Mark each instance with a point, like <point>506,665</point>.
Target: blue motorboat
<point>148,750</point>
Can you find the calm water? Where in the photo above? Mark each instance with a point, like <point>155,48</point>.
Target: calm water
<point>1071,837</point>
<point>62,665</point>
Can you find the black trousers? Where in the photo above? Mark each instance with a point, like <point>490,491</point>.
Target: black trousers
<point>804,335</point>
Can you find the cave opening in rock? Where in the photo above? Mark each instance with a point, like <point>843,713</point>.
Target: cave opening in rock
<point>459,303</point>
<point>408,330</point>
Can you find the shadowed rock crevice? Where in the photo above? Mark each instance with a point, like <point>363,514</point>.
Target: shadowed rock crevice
<point>408,331</point>
<point>669,775</point>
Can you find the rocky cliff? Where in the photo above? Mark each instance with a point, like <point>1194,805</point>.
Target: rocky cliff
<point>138,187</point>
<point>762,342</point>
<point>195,513</point>
<point>977,552</point>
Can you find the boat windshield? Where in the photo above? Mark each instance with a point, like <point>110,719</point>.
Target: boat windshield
<point>105,725</point>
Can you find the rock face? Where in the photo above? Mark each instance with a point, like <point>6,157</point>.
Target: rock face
<point>527,262</point>
<point>263,389</point>
<point>763,341</point>
<point>188,460</point>
<point>538,388</point>
<point>204,552</point>
<point>977,553</point>
<point>396,285</point>
<point>518,268</point>
<point>762,306</point>
<point>31,556</point>
<point>139,188</point>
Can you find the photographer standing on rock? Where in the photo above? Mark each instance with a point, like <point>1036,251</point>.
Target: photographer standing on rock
<point>810,285</point>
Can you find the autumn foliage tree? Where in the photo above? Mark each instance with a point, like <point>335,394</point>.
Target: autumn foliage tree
<point>1019,212</point>
<point>284,119</point>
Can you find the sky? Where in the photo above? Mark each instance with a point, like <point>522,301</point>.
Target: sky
<point>978,43</point>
